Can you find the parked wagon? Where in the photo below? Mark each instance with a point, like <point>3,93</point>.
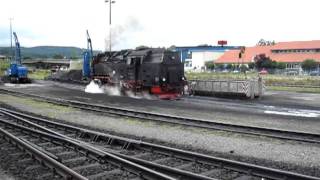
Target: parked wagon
<point>242,88</point>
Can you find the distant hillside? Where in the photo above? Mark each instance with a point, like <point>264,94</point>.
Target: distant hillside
<point>46,52</point>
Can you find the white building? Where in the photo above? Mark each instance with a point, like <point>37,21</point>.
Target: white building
<point>195,57</point>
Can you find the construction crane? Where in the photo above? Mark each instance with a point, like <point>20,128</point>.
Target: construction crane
<point>87,58</point>
<point>17,73</point>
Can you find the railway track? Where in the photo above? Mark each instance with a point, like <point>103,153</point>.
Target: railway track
<point>174,163</point>
<point>201,123</point>
<point>72,159</point>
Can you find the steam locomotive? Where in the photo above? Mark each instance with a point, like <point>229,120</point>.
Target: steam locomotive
<point>156,70</point>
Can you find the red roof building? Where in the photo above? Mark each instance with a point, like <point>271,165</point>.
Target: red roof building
<point>291,53</point>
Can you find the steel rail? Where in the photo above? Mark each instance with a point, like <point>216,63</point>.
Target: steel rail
<point>42,157</point>
<point>95,153</point>
<point>163,169</point>
<point>186,155</point>
<point>193,122</point>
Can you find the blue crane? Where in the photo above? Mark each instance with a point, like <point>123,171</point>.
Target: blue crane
<point>87,58</point>
<point>17,73</point>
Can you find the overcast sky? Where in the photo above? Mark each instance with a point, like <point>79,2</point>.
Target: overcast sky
<point>159,22</point>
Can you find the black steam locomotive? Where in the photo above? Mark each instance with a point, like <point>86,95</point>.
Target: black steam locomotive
<point>156,70</point>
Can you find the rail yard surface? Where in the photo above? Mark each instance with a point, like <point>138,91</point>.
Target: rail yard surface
<point>291,119</point>
<point>147,94</point>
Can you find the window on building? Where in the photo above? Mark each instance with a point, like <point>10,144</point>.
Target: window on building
<point>189,55</point>
<point>188,64</point>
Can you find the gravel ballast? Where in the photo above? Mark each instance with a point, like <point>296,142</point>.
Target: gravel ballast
<point>5,176</point>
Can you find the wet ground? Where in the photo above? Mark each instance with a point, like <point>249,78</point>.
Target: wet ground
<point>283,110</point>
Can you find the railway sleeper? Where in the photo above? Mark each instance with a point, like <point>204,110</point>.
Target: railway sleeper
<point>40,157</point>
<point>106,174</point>
<point>25,160</point>
<point>80,168</point>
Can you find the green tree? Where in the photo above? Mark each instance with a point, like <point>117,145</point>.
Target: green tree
<point>281,65</point>
<point>141,47</point>
<point>230,66</point>
<point>262,61</point>
<point>74,57</point>
<point>219,66</point>
<point>26,58</point>
<point>273,64</point>
<point>309,64</point>
<point>251,65</point>
<point>209,65</point>
<point>57,56</point>
<point>243,68</point>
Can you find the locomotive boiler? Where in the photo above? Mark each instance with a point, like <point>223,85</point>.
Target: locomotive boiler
<point>156,70</point>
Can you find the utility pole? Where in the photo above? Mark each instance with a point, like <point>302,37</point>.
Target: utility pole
<point>110,2</point>
<point>10,19</point>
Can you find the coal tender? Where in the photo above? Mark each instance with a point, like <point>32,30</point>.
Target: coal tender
<point>155,70</point>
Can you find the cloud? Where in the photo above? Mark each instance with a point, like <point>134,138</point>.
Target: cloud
<point>4,37</point>
<point>24,35</point>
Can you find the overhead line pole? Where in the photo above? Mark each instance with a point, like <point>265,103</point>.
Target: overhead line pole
<point>10,19</point>
<point>110,2</point>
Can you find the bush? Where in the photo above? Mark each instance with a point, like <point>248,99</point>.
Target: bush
<point>209,65</point>
<point>57,56</point>
<point>219,66</point>
<point>230,66</point>
<point>309,64</point>
<point>262,61</point>
<point>243,68</point>
<point>251,65</point>
<point>4,65</point>
<point>281,65</point>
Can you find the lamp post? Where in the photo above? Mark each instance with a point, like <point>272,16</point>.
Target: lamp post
<point>10,19</point>
<point>110,2</point>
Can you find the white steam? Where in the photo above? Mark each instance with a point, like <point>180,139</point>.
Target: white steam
<point>93,88</point>
<point>140,95</point>
<point>133,95</point>
<point>112,90</point>
<point>122,32</point>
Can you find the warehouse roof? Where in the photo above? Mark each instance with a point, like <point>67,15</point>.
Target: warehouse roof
<point>297,45</point>
<point>232,56</point>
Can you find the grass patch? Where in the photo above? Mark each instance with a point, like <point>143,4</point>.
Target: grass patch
<point>294,89</point>
<point>39,74</point>
<point>218,75</point>
<point>4,65</point>
<point>35,104</point>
